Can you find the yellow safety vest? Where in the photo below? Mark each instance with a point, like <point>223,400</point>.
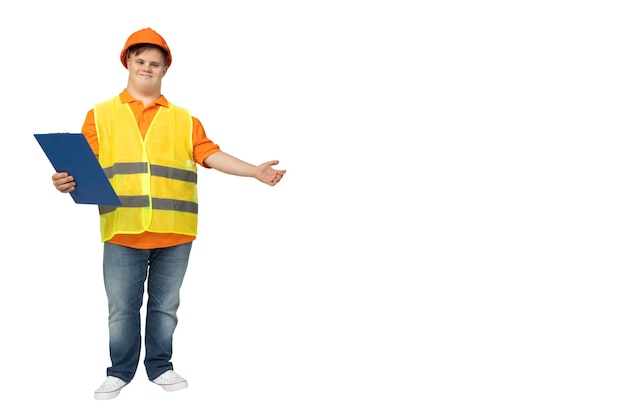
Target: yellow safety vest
<point>155,177</point>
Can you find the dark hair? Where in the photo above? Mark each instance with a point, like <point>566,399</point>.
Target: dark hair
<point>140,47</point>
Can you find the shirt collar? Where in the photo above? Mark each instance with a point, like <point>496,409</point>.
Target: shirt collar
<point>126,97</point>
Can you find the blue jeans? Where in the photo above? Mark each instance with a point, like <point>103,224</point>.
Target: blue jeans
<point>125,273</point>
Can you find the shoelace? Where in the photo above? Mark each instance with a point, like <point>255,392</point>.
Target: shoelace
<point>170,376</point>
<point>111,382</point>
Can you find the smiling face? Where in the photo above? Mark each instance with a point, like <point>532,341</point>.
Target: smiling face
<point>146,69</point>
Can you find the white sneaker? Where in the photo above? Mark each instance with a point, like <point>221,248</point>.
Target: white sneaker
<point>109,389</point>
<point>171,381</point>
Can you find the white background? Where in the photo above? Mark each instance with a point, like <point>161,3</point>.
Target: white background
<point>448,240</point>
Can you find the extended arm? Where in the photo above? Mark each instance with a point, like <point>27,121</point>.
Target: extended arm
<point>228,164</point>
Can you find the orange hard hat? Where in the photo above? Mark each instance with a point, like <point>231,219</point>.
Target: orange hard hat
<point>146,35</point>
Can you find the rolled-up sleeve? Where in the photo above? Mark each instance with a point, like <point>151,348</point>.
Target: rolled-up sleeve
<point>203,147</point>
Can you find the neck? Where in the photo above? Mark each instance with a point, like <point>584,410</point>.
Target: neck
<point>146,96</point>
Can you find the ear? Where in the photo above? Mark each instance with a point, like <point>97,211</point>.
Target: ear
<point>165,70</point>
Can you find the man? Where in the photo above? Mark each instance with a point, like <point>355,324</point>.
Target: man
<point>149,149</point>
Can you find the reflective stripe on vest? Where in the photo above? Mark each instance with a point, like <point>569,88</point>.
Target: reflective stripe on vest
<point>144,200</point>
<point>158,195</point>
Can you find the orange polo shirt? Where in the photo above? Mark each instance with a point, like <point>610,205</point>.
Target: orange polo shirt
<point>202,148</point>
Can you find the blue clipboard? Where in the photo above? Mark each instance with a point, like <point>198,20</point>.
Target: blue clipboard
<point>70,152</point>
